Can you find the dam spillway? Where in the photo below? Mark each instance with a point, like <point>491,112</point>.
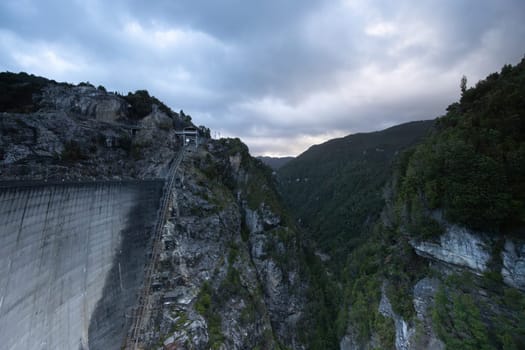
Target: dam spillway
<point>72,259</point>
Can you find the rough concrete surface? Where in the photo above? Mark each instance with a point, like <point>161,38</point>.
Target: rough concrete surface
<point>71,261</point>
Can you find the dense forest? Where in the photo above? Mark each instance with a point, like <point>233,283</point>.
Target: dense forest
<point>473,167</point>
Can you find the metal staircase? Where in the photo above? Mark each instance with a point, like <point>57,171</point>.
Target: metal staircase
<point>144,303</point>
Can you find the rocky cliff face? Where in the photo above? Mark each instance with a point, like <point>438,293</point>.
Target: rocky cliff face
<point>280,278</point>
<point>80,132</point>
<point>84,100</point>
<point>473,251</point>
<point>227,277</point>
<point>404,333</point>
<point>417,333</point>
<point>438,291</point>
<point>458,246</point>
<point>513,269</point>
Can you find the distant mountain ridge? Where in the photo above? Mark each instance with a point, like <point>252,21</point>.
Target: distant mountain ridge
<point>336,192</point>
<point>345,175</point>
<point>275,162</point>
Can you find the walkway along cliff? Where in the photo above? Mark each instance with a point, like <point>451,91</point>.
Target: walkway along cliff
<point>144,302</point>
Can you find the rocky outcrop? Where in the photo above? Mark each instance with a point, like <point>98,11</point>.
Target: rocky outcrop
<point>205,269</point>
<point>56,145</point>
<point>84,100</point>
<point>464,248</point>
<point>273,260</point>
<point>280,286</point>
<point>348,342</point>
<point>262,219</point>
<point>85,133</point>
<point>457,246</point>
<point>216,286</point>
<point>513,258</point>
<point>417,334</point>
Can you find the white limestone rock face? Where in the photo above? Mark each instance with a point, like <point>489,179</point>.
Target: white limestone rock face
<point>153,121</point>
<point>285,308</point>
<point>261,219</point>
<point>513,258</point>
<point>109,109</point>
<point>235,162</point>
<point>84,100</point>
<point>464,248</point>
<point>457,246</point>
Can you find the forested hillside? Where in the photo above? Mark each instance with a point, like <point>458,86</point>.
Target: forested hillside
<point>336,191</point>
<point>473,167</point>
<point>275,162</point>
<point>465,184</point>
<point>336,188</point>
<point>424,242</point>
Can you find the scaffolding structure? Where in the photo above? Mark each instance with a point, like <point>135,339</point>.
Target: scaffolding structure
<point>189,136</point>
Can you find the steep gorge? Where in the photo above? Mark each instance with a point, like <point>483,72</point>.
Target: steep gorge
<point>407,238</point>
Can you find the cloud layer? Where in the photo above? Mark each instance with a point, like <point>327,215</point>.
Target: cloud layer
<point>281,75</point>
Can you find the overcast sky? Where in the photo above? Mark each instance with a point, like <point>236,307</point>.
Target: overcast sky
<point>280,74</point>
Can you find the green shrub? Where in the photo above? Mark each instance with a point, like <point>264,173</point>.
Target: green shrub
<point>72,151</point>
<point>124,142</point>
<point>166,125</point>
<point>203,302</point>
<point>140,102</point>
<point>205,306</point>
<point>386,330</point>
<point>457,320</point>
<point>19,91</point>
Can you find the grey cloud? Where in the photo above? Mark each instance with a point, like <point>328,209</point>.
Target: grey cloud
<point>230,20</point>
<point>271,70</point>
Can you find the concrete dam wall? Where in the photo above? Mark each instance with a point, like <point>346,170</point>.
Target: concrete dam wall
<point>72,262</point>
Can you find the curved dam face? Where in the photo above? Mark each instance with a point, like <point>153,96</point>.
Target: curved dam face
<point>72,261</point>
